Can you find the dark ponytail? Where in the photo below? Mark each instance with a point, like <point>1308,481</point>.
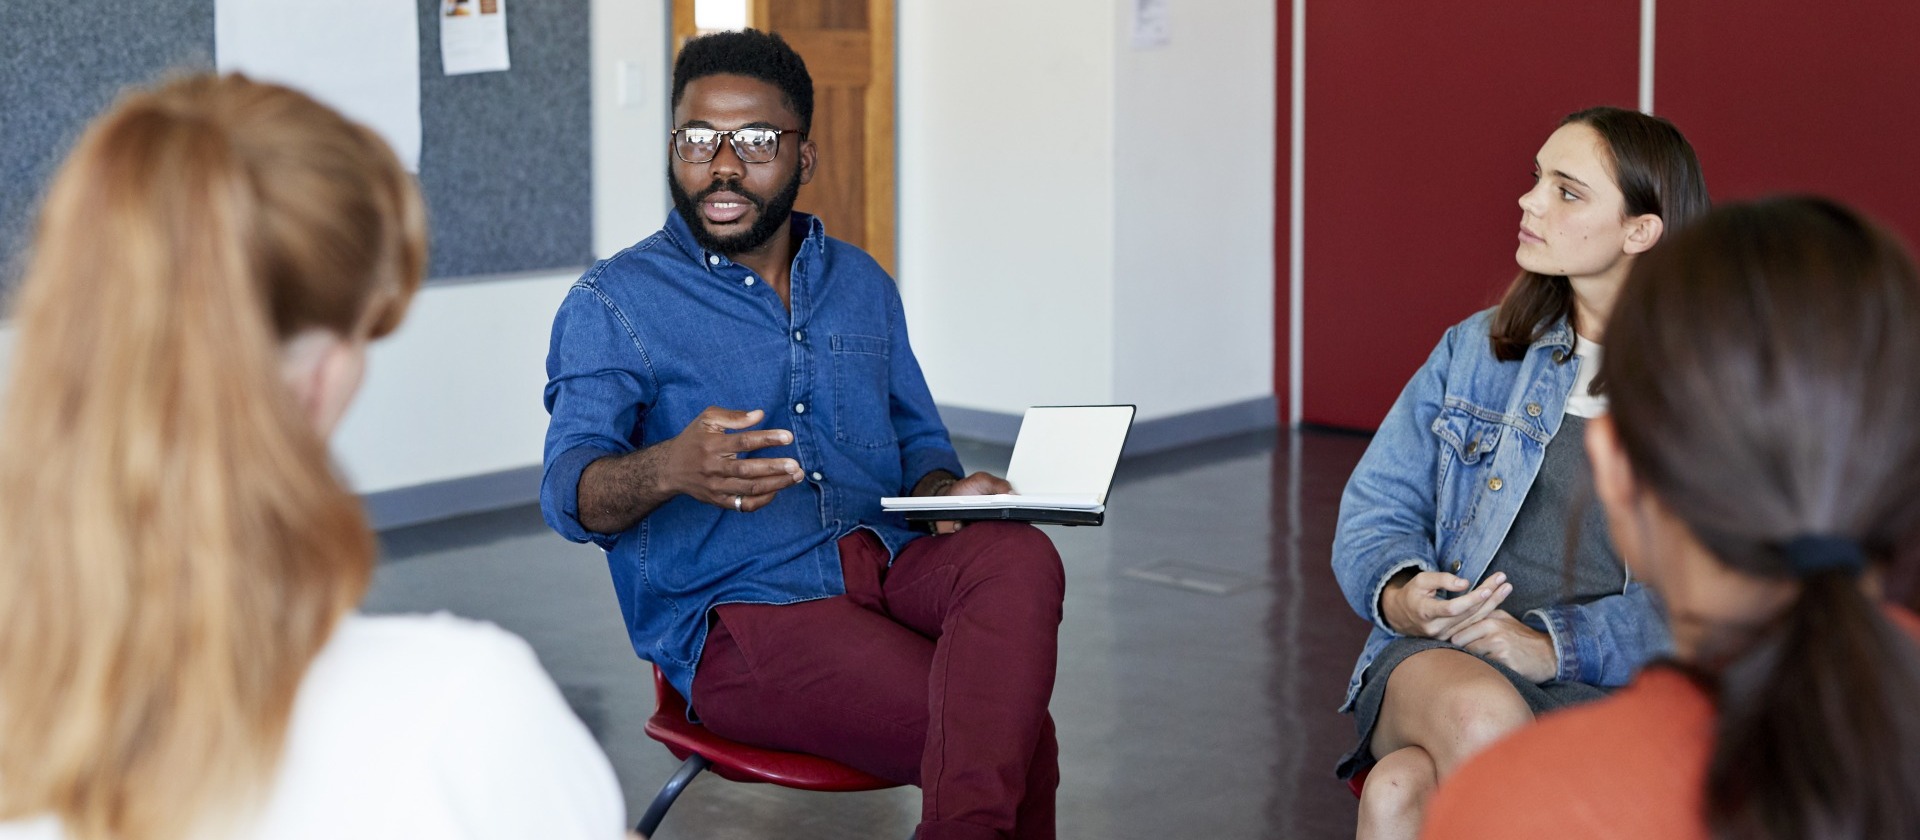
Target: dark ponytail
<point>1817,726</point>
<point>1764,372</point>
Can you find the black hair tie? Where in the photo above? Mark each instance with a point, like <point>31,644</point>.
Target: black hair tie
<point>1815,554</point>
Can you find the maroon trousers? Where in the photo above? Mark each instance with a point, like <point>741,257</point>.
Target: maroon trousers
<point>934,672</point>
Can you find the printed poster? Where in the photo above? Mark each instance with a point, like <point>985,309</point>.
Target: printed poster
<point>473,36</point>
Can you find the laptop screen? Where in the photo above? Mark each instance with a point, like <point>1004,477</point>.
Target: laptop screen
<point>1069,450</point>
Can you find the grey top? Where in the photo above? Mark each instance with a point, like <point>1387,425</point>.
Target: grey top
<point>1535,553</point>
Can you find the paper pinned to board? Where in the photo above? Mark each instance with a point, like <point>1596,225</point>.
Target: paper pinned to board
<point>362,57</point>
<point>1152,24</point>
<point>473,36</point>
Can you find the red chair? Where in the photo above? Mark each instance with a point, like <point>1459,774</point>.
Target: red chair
<point>700,749</point>
<point>1358,781</point>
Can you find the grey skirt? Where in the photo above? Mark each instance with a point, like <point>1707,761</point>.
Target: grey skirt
<point>1540,697</point>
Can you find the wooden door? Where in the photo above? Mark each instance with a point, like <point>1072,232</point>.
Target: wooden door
<point>848,47</point>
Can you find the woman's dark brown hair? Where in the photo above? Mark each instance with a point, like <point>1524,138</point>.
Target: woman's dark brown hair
<point>1657,173</point>
<point>1765,385</point>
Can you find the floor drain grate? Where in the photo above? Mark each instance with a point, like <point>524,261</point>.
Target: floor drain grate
<point>1195,578</point>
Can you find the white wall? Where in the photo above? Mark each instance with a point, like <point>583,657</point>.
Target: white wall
<point>1042,265</point>
<point>1102,256</point>
<point>1006,210</point>
<point>456,392</point>
<point>632,78</point>
<point>1194,209</point>
<point>1039,263</point>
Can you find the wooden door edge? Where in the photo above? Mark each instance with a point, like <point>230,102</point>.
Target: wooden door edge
<point>881,175</point>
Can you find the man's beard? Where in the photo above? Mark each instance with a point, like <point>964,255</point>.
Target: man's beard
<point>770,215</point>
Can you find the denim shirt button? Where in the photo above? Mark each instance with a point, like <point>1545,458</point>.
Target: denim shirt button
<point>1533,409</point>
<point>713,259</point>
<point>799,335</point>
<point>1495,484</point>
<point>749,279</point>
<point>799,408</point>
<point>819,477</point>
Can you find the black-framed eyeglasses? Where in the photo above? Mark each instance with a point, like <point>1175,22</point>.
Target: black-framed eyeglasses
<point>752,145</point>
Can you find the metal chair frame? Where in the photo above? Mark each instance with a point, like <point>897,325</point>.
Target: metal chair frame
<point>670,791</point>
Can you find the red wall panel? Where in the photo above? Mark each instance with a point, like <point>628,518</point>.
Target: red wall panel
<point>1422,121</point>
<point>1798,97</point>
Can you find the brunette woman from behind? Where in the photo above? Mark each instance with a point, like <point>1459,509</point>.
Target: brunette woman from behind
<point>1761,470</point>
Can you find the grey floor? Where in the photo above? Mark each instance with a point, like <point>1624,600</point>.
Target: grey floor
<point>1204,649</point>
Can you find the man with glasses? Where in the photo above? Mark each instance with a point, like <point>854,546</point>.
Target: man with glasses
<point>730,399</point>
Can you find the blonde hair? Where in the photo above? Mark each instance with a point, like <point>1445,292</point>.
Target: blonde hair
<point>174,545</point>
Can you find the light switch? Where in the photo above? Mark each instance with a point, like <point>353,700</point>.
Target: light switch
<point>632,83</point>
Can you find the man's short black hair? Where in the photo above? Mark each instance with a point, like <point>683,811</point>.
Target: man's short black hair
<point>751,53</point>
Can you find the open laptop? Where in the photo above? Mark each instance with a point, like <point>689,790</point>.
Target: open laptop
<point>1061,472</point>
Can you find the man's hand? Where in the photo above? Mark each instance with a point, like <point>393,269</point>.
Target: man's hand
<point>704,462</point>
<point>1510,642</point>
<point>1413,607</point>
<point>942,483</point>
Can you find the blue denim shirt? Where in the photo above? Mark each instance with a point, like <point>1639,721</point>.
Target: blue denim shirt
<point>649,338</point>
<point>1442,481</point>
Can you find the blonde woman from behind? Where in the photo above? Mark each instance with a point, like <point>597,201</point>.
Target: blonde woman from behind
<point>179,655</point>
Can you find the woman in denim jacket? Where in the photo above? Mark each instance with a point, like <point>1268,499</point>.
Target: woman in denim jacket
<point>1489,607</point>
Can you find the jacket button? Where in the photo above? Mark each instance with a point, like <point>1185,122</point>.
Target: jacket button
<point>1495,484</point>
<point>1533,409</point>
<point>1559,356</point>
<point>1456,565</point>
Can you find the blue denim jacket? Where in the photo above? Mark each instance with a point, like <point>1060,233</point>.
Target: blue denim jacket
<point>1442,481</point>
<point>649,338</point>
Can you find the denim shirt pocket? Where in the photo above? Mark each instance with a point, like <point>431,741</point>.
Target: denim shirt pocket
<point>1468,440</point>
<point>862,413</point>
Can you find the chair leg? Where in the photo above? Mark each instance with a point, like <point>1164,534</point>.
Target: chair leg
<point>669,792</point>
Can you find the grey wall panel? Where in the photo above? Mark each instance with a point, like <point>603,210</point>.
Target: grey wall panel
<point>63,62</point>
<point>506,158</point>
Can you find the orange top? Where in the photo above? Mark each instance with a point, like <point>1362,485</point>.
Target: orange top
<point>1630,766</point>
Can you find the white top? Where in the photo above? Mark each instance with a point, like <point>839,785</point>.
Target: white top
<point>1586,354</point>
<point>428,727</point>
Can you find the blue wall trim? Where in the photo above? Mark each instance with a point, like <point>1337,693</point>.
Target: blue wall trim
<point>405,506</point>
<point>984,426</point>
<point>1147,437</point>
<point>1164,433</point>
<point>492,491</point>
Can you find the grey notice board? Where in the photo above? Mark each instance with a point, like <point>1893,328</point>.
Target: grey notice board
<point>506,158</point>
